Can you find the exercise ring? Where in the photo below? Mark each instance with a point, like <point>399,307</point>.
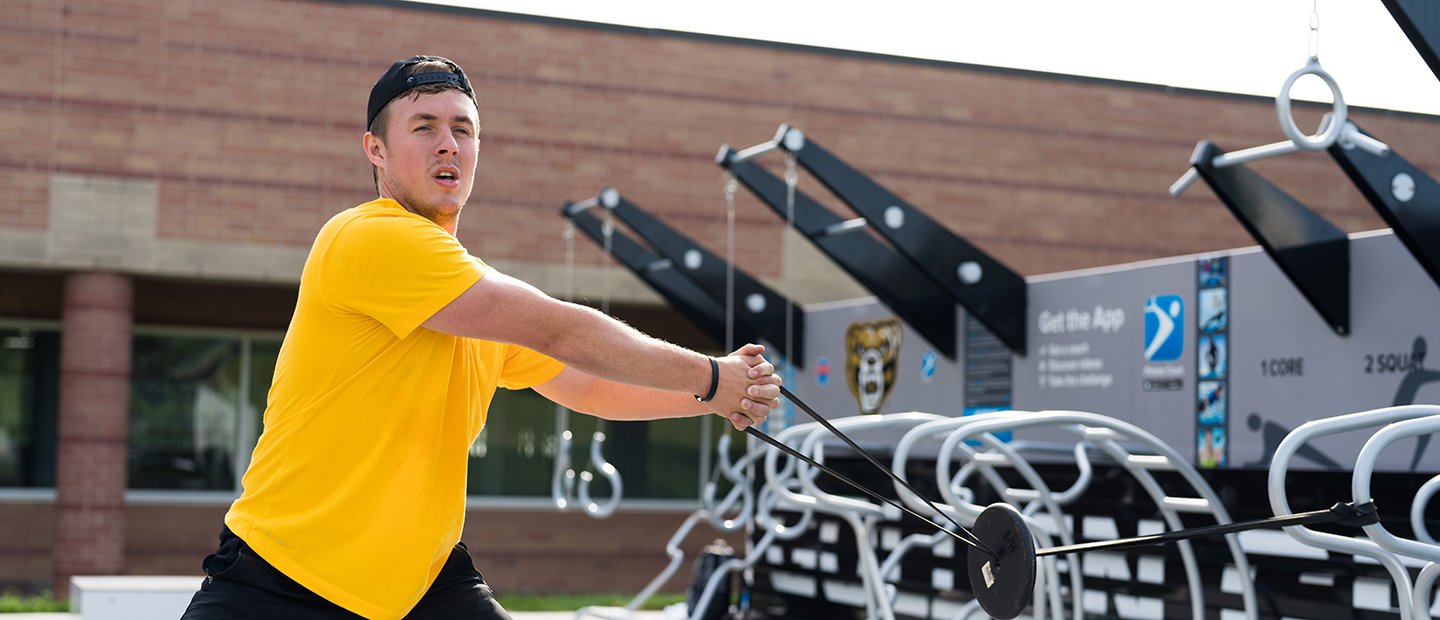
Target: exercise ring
<point>1332,129</point>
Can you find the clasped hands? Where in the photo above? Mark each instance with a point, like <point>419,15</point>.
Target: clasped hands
<point>748,387</point>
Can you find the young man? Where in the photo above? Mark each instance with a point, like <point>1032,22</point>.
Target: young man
<point>355,497</point>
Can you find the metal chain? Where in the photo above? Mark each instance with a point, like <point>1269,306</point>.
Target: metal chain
<point>1315,29</point>
<point>569,237</point>
<point>730,186</point>
<point>792,178</point>
<point>607,230</point>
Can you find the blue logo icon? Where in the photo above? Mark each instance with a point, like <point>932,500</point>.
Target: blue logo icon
<point>822,371</point>
<point>927,366</point>
<point>1164,337</point>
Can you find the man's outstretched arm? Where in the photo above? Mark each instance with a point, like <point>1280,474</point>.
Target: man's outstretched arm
<point>586,393</point>
<point>503,309</point>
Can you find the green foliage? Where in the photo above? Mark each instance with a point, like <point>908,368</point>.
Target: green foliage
<point>11,603</point>
<point>572,602</point>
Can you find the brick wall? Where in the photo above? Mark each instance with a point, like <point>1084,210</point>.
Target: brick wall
<point>518,550</point>
<point>250,126</point>
<point>92,449</point>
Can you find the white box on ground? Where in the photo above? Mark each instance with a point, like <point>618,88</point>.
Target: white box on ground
<point>130,597</point>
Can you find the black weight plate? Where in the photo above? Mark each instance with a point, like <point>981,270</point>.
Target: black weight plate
<point>1003,584</point>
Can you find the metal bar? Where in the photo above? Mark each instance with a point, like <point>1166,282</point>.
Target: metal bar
<point>757,150</point>
<point>847,226</point>
<point>1313,253</point>
<point>876,266</point>
<point>756,305</point>
<point>1420,20</point>
<point>680,292</point>
<point>1406,197</point>
<point>992,292</point>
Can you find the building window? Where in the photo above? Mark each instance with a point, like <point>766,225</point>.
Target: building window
<point>515,454</point>
<point>195,405</point>
<point>29,396</point>
<point>196,410</point>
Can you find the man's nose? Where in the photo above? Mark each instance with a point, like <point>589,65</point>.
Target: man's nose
<point>447,144</point>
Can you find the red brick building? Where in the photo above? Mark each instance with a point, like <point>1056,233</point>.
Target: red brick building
<point>168,162</point>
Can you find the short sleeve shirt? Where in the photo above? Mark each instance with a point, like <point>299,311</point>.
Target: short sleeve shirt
<point>357,486</point>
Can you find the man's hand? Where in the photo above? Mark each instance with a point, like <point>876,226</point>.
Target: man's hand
<point>749,387</point>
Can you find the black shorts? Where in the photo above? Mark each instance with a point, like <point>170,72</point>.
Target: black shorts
<point>240,584</point>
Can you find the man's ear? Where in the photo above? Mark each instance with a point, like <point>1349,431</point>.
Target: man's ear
<point>374,149</point>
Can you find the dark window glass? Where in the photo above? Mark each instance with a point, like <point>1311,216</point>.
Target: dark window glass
<point>263,353</point>
<point>515,455</point>
<point>184,412</point>
<point>29,396</point>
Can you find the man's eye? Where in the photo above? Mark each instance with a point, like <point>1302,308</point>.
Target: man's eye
<point>462,130</point>
<point>422,128</point>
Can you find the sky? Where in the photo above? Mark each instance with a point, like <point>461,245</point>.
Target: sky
<point>1237,46</point>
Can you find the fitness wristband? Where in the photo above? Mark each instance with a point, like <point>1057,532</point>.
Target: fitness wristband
<point>714,382</point>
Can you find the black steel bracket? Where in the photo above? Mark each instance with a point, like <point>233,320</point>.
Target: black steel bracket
<point>756,305</point>
<point>1312,252</point>
<point>680,292</point>
<point>1420,20</point>
<point>877,267</point>
<point>1405,196</point>
<point>988,289</point>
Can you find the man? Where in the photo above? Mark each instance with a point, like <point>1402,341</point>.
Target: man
<point>355,497</point>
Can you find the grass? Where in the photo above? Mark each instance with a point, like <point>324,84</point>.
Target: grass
<point>571,602</point>
<point>13,603</point>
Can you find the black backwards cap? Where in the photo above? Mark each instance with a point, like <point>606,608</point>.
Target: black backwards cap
<point>395,83</point>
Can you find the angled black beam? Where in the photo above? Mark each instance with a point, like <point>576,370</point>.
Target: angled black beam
<point>1312,252</point>
<point>992,292</point>
<point>680,292</point>
<point>1420,20</point>
<point>892,279</point>
<point>756,305</point>
<point>1405,196</point>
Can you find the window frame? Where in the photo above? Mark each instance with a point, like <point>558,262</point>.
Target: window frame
<point>245,436</point>
<point>248,434</point>
<point>29,494</point>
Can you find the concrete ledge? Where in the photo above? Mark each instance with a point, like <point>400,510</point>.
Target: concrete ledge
<point>130,597</point>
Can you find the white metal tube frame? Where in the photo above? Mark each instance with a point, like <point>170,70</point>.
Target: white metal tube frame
<point>1423,496</point>
<point>740,489</point>
<point>1365,463</point>
<point>860,515</point>
<point>869,566</point>
<point>959,500</point>
<point>597,460</point>
<point>562,481</point>
<point>709,512</point>
<point>1107,433</point>
<point>1038,496</point>
<point>1280,502</point>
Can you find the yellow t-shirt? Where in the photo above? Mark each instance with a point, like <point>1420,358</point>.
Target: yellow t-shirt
<point>357,487</point>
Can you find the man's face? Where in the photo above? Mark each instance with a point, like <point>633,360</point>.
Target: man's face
<point>427,159</point>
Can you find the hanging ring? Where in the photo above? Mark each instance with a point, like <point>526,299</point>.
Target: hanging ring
<point>1330,131</point>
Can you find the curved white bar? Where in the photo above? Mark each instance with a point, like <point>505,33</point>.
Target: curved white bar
<point>1364,470</point>
<point>1280,503</point>
<point>1422,499</point>
<point>1102,431</point>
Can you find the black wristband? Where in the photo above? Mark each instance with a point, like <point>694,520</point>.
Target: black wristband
<point>714,382</point>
